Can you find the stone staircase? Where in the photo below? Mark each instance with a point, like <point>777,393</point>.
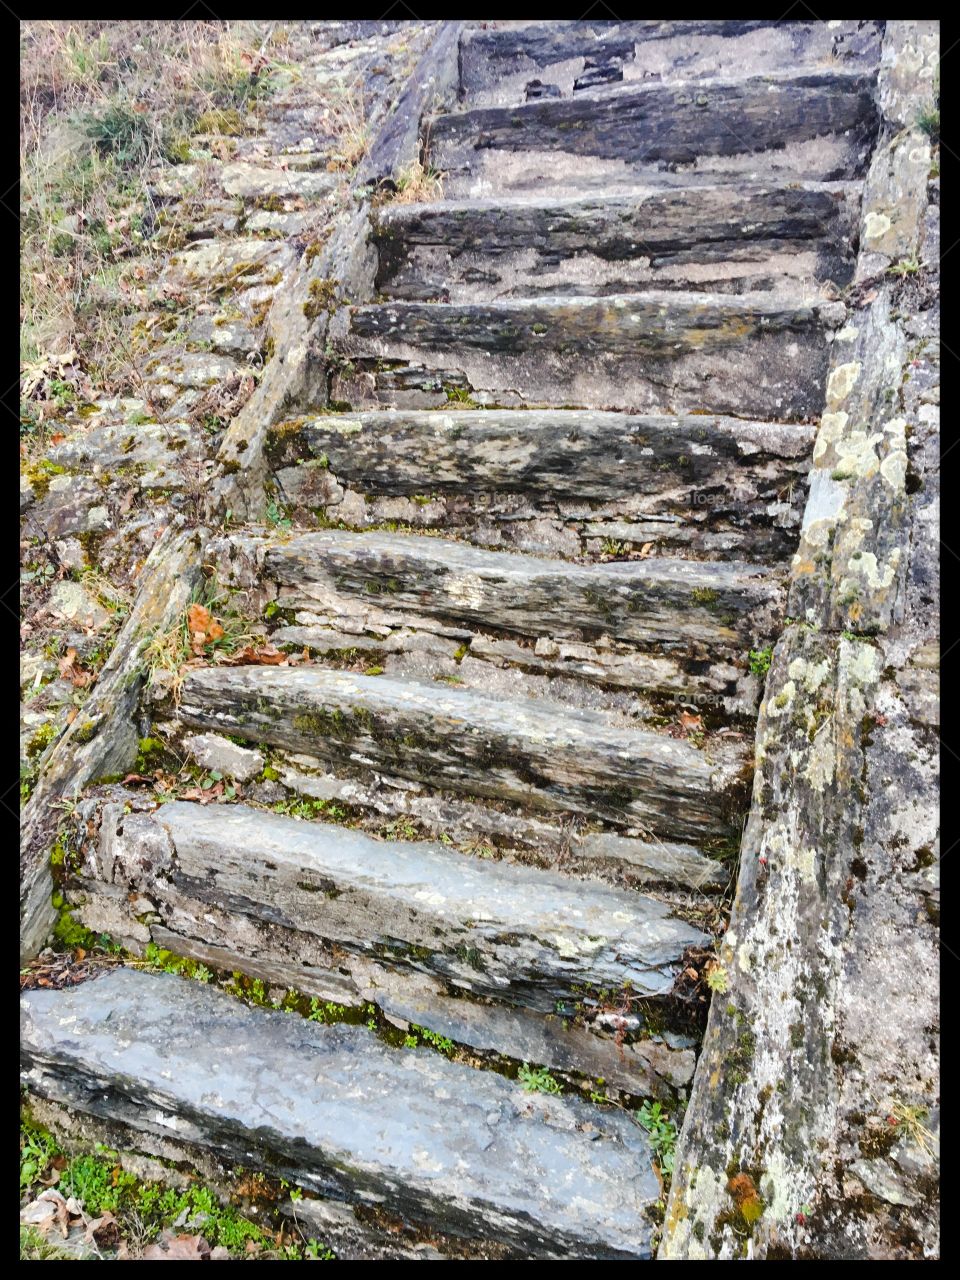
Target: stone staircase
<point>531,554</point>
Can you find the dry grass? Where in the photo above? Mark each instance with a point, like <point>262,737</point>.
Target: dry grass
<point>349,125</point>
<point>419,185</point>
<point>102,104</point>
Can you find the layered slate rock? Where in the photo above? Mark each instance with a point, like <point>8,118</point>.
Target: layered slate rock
<point>498,59</point>
<point>493,928</point>
<point>531,752</point>
<point>658,601</point>
<point>629,134</point>
<point>698,485</point>
<point>721,238</point>
<point>656,351</point>
<point>464,1152</point>
<point>564,453</point>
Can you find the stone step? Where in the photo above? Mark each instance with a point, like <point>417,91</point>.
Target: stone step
<point>721,239</point>
<point>701,484</point>
<point>533,753</point>
<point>516,934</point>
<point>657,352</point>
<point>657,601</point>
<point>499,60</point>
<point>459,1153</point>
<point>789,127</point>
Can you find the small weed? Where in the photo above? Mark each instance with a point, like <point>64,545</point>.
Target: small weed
<point>929,123</point>
<point>905,267</point>
<point>663,1134</point>
<point>760,660</point>
<point>718,979</point>
<point>537,1079</point>
<point>277,516</point>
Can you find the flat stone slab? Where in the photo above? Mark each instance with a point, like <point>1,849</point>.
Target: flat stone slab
<point>724,238</point>
<point>465,1152</point>
<point>532,752</point>
<point>523,935</point>
<point>659,601</point>
<point>574,453</point>
<point>497,60</point>
<point>633,132</point>
<point>658,351</point>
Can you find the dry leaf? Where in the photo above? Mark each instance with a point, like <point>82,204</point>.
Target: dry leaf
<point>70,671</point>
<point>691,722</point>
<point>102,1230</point>
<point>645,550</point>
<point>177,1248</point>
<point>203,627</point>
<point>268,655</point>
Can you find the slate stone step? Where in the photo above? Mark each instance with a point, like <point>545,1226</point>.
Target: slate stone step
<point>534,753</point>
<point>810,125</point>
<point>655,601</point>
<point>520,935</point>
<point>455,1151</point>
<point>566,453</point>
<point>657,352</point>
<point>724,239</point>
<point>498,60</point>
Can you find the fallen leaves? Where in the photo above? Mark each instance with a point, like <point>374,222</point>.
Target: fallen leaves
<point>266,655</point>
<point>71,670</point>
<point>203,627</point>
<point>177,1249</point>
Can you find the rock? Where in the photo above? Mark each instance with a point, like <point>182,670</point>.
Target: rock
<point>335,1110</point>
<point>655,601</point>
<point>539,754</point>
<point>507,932</point>
<point>74,603</point>
<point>220,755</point>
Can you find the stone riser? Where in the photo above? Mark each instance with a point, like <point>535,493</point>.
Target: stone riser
<point>717,240</point>
<point>497,64</point>
<point>657,353</point>
<point>533,754</point>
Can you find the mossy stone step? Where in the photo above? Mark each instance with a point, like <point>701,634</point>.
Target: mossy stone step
<point>520,935</point>
<point>451,1150</point>
<point>812,125</point>
<point>722,238</point>
<point>754,355</point>
<point>655,601</point>
<point>533,753</point>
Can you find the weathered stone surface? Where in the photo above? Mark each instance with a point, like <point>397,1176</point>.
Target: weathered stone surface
<point>339,1113</point>
<point>249,182</point>
<point>214,752</point>
<point>498,58</point>
<point>819,1074</point>
<point>151,446</point>
<point>654,861</point>
<point>296,376</point>
<point>571,453</point>
<point>701,486</point>
<point>435,79</point>
<point>656,351</point>
<point>657,601</point>
<point>533,753</point>
<point>632,133</point>
<point>103,738</point>
<point>766,1080</point>
<point>718,238</point>
<point>503,931</point>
